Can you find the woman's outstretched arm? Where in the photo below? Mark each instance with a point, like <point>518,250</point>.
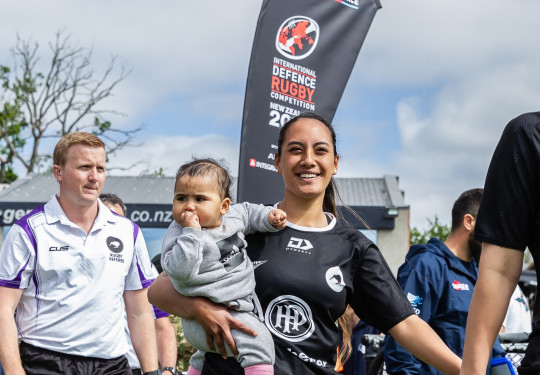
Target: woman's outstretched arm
<point>417,337</point>
<point>215,319</point>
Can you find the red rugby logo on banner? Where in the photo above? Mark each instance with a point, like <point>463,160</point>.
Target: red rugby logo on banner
<point>297,37</point>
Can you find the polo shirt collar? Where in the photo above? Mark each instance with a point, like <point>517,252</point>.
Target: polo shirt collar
<point>55,213</point>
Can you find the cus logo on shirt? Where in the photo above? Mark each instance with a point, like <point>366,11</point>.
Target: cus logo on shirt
<point>59,248</point>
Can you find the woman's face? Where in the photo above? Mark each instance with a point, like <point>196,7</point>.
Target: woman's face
<point>308,159</point>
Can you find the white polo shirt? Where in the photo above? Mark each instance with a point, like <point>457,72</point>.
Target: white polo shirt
<point>73,282</point>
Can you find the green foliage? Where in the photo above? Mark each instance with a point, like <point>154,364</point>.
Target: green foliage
<point>185,349</point>
<point>435,229</point>
<point>12,125</point>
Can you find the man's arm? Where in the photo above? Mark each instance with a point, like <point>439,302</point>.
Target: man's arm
<point>166,342</point>
<point>140,319</point>
<point>499,272</point>
<point>9,348</point>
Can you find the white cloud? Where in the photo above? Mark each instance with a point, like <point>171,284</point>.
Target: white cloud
<point>169,152</point>
<point>446,75</point>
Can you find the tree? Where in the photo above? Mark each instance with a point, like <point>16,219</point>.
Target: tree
<point>65,98</point>
<point>435,229</point>
<point>12,122</point>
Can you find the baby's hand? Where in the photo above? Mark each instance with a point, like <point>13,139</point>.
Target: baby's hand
<point>278,218</point>
<point>189,220</point>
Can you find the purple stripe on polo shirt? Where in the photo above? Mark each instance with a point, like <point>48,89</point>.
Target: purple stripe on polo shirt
<point>16,282</point>
<point>159,313</point>
<point>23,223</point>
<point>144,281</point>
<point>135,232</point>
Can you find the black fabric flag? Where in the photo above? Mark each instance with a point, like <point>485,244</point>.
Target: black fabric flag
<point>303,54</point>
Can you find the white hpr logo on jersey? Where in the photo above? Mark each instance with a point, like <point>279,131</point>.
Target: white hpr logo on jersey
<point>299,243</point>
<point>334,278</point>
<point>290,318</point>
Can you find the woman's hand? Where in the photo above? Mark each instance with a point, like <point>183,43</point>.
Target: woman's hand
<point>218,323</point>
<point>215,319</point>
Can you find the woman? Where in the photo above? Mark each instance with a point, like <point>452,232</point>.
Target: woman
<point>310,271</point>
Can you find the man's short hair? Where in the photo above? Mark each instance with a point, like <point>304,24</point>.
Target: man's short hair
<point>70,139</point>
<point>113,199</point>
<point>467,203</point>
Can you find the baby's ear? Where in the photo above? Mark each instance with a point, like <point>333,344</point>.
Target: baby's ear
<point>225,204</point>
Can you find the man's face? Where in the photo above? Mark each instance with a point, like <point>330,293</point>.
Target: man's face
<point>82,178</point>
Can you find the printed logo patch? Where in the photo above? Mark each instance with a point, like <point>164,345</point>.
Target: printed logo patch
<point>297,37</point>
<point>300,245</point>
<point>415,301</point>
<point>460,286</point>
<point>114,244</point>
<point>290,318</point>
<point>334,278</point>
<point>59,248</point>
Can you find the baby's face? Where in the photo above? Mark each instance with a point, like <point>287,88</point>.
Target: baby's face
<point>199,196</point>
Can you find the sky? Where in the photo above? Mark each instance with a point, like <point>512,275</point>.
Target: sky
<point>431,91</point>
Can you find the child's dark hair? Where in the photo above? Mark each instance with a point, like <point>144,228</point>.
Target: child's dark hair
<point>206,167</point>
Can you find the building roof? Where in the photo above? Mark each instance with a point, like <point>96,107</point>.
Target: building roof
<point>145,192</point>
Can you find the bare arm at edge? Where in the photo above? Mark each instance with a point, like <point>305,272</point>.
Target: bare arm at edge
<point>166,342</point>
<point>499,272</point>
<point>9,349</point>
<point>417,337</point>
<point>140,317</point>
<point>215,319</point>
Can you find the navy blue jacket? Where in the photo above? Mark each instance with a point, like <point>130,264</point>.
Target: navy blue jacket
<point>439,286</point>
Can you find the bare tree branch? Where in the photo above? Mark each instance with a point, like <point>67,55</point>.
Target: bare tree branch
<point>66,98</point>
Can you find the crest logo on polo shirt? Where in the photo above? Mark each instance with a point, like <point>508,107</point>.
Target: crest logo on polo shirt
<point>114,244</point>
<point>290,318</point>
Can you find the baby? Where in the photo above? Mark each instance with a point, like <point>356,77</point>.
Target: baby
<point>204,254</point>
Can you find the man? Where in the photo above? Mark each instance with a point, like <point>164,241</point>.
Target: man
<point>167,349</point>
<point>508,222</point>
<point>65,267</point>
<point>439,279</point>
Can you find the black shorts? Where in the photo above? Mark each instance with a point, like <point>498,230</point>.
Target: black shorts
<point>40,361</point>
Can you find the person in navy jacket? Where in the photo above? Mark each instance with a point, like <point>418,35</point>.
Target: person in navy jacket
<point>438,279</point>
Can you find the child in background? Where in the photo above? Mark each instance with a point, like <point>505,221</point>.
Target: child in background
<point>204,255</point>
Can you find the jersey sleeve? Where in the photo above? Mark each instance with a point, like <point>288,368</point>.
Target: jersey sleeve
<point>511,190</point>
<point>377,298</point>
<point>255,217</point>
<point>17,258</point>
<point>140,274</point>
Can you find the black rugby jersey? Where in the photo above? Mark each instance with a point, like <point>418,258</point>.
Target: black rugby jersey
<point>305,279</point>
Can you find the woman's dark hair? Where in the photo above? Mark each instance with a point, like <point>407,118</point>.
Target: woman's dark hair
<point>208,167</point>
<point>329,203</point>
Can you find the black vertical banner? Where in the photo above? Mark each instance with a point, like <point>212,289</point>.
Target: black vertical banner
<point>303,54</point>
